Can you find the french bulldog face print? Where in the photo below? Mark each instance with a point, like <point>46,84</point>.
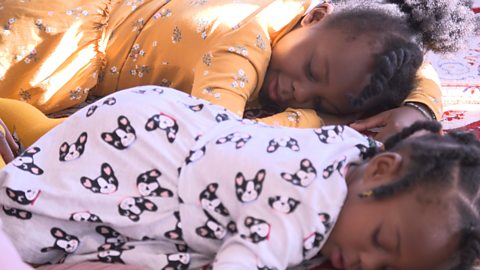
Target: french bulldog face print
<point>109,253</point>
<point>112,237</point>
<point>210,201</point>
<point>212,230</point>
<point>148,185</point>
<point>165,123</point>
<point>304,176</point>
<point>195,155</point>
<point>249,190</point>
<point>91,110</point>
<point>121,137</point>
<point>24,197</point>
<point>311,244</point>
<point>110,101</point>
<point>85,216</point>
<point>18,213</point>
<point>177,261</point>
<point>106,183</point>
<point>177,233</point>
<point>63,241</point>
<point>259,230</point>
<point>155,90</point>
<point>337,165</point>
<point>196,107</point>
<point>286,142</point>
<point>238,138</point>
<point>26,162</point>
<point>330,134</point>
<point>133,207</point>
<point>221,117</point>
<point>283,204</point>
<point>326,221</point>
<point>75,150</point>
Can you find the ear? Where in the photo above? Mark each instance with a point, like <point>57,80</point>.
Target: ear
<point>316,14</point>
<point>383,167</point>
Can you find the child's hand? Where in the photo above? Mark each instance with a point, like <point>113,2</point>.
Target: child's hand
<point>8,146</point>
<point>390,122</point>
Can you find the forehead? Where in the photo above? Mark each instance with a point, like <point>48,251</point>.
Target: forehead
<point>350,61</point>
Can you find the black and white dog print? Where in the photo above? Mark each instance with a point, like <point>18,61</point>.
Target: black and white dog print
<point>112,254</point>
<point>113,247</point>
<point>261,266</point>
<point>112,237</point>
<point>211,229</point>
<point>18,213</point>
<point>74,150</point>
<point>148,184</point>
<point>283,204</point>
<point>177,233</point>
<point>330,134</point>
<point>285,142</point>
<point>302,177</point>
<point>210,201</point>
<point>85,216</point>
<point>177,261</point>
<point>133,207</point>
<point>248,190</point>
<point>106,183</point>
<point>195,155</point>
<point>326,221</point>
<point>259,230</point>
<point>336,166</point>
<point>63,241</point>
<point>311,244</point>
<point>121,137</point>
<point>221,117</point>
<point>155,90</point>
<point>26,162</point>
<point>196,107</point>
<point>24,197</point>
<point>238,138</point>
<point>164,122</point>
<point>232,227</point>
<point>109,101</point>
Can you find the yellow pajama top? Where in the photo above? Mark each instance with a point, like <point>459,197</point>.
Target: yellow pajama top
<point>54,53</point>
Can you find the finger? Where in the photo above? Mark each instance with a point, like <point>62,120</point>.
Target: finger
<point>375,121</point>
<point>5,150</point>
<point>10,140</point>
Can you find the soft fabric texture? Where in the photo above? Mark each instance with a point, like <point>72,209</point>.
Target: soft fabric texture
<point>217,50</point>
<point>180,182</point>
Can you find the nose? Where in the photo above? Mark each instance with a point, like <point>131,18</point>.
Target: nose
<point>303,93</point>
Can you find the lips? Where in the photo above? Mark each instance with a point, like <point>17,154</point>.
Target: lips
<point>336,258</point>
<point>273,89</point>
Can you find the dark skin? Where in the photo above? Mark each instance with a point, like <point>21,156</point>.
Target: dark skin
<point>413,230</point>
<point>308,70</point>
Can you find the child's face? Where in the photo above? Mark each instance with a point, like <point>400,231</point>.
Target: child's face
<point>316,67</point>
<point>407,231</point>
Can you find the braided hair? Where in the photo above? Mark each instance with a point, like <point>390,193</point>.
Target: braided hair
<point>450,161</point>
<point>405,29</point>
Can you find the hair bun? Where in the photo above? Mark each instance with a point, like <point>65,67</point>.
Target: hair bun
<point>444,25</point>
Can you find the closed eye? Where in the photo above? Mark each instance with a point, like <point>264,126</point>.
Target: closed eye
<point>309,72</point>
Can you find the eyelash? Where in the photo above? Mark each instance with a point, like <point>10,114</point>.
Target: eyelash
<point>309,72</point>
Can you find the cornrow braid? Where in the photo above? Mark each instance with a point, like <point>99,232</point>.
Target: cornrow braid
<point>450,161</point>
<point>394,76</point>
<point>396,62</point>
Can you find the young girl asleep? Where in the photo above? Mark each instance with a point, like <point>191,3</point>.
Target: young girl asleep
<point>353,63</point>
<point>183,183</point>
